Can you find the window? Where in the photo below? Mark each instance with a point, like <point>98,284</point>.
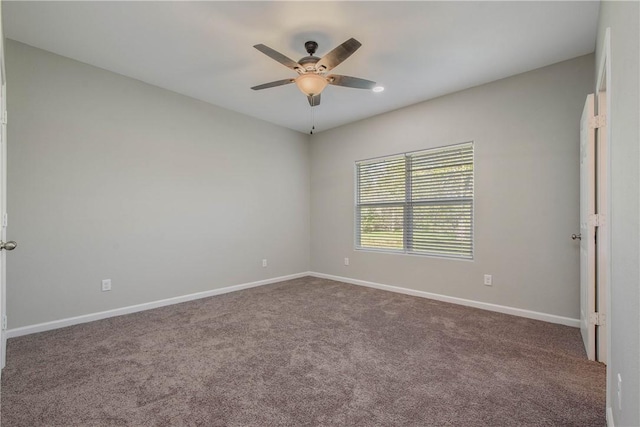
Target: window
<point>417,203</point>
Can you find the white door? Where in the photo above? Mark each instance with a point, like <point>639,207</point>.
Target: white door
<point>3,199</point>
<point>588,229</point>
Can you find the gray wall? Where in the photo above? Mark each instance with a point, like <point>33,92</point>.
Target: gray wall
<point>526,133</point>
<point>624,20</point>
<point>112,178</point>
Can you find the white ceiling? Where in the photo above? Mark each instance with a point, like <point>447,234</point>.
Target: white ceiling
<point>416,50</point>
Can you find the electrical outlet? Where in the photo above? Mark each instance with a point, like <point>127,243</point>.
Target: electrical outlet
<point>106,285</point>
<point>488,280</point>
<point>346,261</point>
<point>264,262</point>
<point>619,392</point>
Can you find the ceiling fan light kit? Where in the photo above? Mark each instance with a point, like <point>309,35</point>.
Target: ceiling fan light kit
<point>311,84</point>
<point>311,69</point>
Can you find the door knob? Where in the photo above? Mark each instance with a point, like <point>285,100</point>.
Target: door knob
<point>576,237</point>
<point>8,246</point>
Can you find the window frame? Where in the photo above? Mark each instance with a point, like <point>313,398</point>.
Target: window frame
<point>408,203</point>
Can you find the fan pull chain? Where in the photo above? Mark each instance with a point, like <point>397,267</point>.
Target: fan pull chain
<point>313,121</point>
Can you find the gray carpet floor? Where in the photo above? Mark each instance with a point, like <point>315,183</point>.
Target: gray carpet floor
<point>306,352</point>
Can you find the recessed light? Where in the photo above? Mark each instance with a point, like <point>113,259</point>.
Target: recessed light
<point>378,89</point>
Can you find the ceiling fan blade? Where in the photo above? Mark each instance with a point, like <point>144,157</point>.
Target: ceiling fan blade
<point>273,84</point>
<point>314,101</point>
<point>284,60</point>
<point>348,81</point>
<point>339,54</point>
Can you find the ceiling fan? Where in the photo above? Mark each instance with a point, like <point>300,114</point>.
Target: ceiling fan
<point>312,78</point>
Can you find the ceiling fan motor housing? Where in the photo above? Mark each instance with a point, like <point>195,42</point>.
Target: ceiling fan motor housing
<point>308,63</point>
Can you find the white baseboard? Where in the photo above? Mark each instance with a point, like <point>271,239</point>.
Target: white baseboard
<point>552,318</point>
<point>610,417</point>
<point>62,323</point>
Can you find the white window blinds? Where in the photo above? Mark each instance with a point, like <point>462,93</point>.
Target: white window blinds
<point>419,203</point>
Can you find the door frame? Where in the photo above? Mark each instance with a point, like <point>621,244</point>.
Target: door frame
<point>603,231</point>
<point>603,84</point>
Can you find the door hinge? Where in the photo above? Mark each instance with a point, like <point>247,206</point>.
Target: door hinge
<point>598,319</point>
<point>4,322</point>
<point>4,117</point>
<point>5,220</point>
<point>597,122</point>
<point>596,220</point>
